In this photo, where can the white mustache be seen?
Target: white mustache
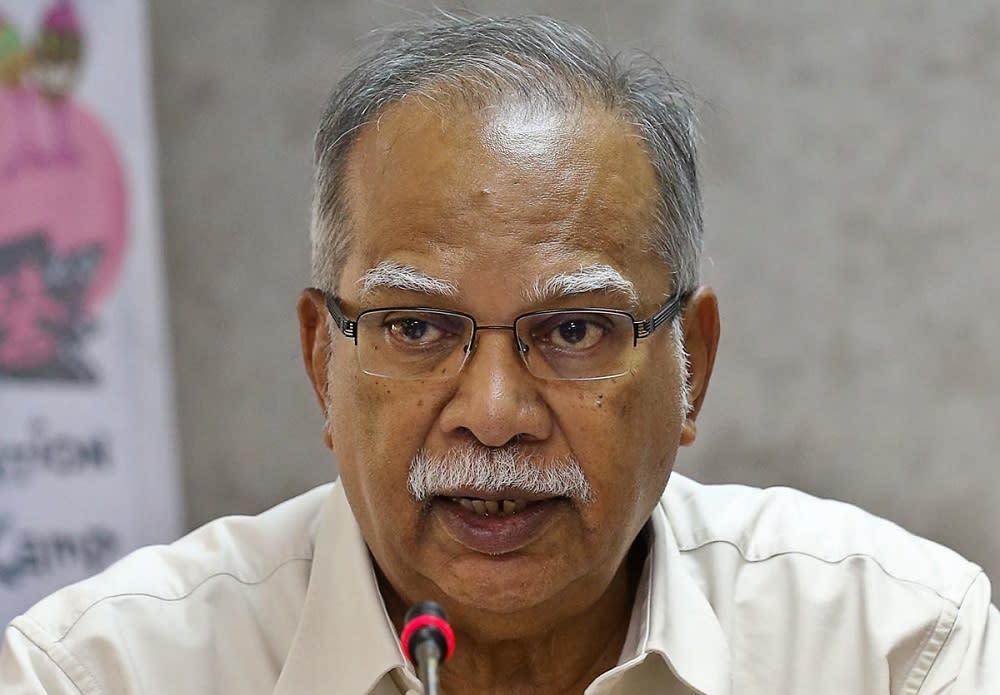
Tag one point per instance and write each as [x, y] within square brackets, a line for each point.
[495, 470]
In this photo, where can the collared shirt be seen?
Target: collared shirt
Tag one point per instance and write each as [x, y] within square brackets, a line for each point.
[744, 592]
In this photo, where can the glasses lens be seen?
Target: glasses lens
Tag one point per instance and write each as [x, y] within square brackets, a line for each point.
[405, 344]
[581, 344]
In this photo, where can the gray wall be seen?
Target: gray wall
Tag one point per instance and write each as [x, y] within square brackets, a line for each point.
[851, 169]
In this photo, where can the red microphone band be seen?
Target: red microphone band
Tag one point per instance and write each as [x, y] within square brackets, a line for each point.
[431, 621]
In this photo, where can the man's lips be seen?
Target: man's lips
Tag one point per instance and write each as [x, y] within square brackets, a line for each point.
[491, 507]
[493, 503]
[501, 494]
[495, 525]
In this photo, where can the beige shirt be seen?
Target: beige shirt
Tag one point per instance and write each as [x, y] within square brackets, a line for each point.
[745, 591]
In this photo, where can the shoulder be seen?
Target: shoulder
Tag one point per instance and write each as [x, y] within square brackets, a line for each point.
[762, 525]
[781, 526]
[236, 555]
[846, 591]
[863, 604]
[217, 606]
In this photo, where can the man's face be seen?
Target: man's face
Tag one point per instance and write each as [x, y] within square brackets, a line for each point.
[492, 202]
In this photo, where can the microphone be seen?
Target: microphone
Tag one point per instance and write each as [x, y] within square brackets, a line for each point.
[428, 641]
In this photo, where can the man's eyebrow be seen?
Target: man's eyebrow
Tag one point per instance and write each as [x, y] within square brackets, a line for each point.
[397, 276]
[588, 278]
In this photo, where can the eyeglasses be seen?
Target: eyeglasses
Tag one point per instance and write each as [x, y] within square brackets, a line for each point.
[562, 344]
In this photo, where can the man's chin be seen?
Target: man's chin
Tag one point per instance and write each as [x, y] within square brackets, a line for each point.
[508, 613]
[502, 588]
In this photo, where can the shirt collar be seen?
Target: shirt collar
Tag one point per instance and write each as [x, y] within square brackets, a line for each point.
[673, 618]
[345, 641]
[345, 633]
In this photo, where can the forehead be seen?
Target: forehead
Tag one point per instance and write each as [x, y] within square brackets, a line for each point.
[533, 184]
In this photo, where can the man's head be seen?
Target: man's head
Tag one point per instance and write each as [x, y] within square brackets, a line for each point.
[495, 169]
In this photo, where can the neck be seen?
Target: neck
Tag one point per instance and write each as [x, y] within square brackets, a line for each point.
[545, 658]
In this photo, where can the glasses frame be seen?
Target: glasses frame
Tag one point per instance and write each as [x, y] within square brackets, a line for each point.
[641, 329]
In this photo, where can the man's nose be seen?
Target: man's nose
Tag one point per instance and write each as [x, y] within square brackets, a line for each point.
[496, 399]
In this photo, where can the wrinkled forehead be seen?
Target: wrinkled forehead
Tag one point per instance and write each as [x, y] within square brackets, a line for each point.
[565, 188]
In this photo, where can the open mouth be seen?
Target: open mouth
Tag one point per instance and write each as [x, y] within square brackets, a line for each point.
[495, 523]
[501, 508]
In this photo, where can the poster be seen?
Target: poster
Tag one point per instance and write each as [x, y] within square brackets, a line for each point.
[88, 466]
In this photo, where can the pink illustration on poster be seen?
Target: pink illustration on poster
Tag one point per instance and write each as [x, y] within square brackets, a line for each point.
[64, 200]
[88, 464]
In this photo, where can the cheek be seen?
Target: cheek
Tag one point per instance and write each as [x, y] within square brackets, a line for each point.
[637, 416]
[394, 415]
[625, 433]
[377, 426]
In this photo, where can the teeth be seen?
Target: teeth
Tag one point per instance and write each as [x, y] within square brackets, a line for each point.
[491, 507]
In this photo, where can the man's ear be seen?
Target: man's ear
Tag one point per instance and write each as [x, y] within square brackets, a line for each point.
[315, 338]
[701, 340]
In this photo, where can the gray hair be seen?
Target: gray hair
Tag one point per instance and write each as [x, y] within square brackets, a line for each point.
[484, 60]
[495, 469]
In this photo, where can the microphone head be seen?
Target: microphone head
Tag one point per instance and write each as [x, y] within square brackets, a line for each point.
[427, 621]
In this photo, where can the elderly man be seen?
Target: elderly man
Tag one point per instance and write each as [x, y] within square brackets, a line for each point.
[509, 340]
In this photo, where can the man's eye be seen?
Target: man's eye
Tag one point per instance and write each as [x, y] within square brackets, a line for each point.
[413, 330]
[576, 334]
[420, 331]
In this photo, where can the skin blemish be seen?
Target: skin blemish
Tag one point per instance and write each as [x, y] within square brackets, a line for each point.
[482, 197]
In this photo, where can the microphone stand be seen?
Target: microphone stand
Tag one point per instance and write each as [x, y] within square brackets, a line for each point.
[428, 657]
[427, 639]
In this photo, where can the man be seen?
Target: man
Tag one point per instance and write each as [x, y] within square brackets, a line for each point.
[509, 340]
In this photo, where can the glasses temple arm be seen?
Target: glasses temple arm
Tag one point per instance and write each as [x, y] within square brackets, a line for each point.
[643, 329]
[347, 327]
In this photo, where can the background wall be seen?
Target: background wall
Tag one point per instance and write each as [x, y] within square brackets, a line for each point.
[851, 174]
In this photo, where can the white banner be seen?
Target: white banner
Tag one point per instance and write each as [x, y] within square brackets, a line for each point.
[87, 440]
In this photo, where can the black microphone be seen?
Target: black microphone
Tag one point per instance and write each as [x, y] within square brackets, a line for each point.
[428, 641]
